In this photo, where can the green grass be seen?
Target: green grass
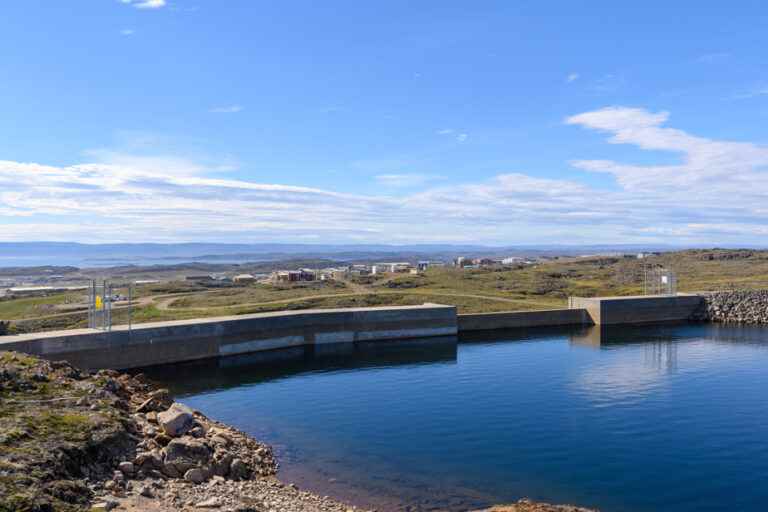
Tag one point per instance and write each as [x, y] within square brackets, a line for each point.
[257, 293]
[67, 426]
[31, 307]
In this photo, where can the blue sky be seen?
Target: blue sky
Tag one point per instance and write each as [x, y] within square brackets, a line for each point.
[487, 122]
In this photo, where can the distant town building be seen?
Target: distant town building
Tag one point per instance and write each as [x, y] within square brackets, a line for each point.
[294, 276]
[424, 265]
[461, 261]
[244, 279]
[41, 291]
[202, 278]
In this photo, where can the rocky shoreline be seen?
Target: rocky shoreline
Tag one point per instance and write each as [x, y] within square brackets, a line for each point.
[735, 306]
[72, 441]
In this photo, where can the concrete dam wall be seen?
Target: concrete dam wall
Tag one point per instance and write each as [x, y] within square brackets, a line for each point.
[186, 340]
[169, 342]
[638, 309]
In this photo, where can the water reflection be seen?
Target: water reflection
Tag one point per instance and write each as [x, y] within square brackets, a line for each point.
[260, 367]
[659, 343]
[587, 416]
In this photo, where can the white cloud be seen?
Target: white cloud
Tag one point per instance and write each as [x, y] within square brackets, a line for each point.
[572, 77]
[460, 137]
[127, 32]
[715, 194]
[145, 4]
[708, 166]
[228, 109]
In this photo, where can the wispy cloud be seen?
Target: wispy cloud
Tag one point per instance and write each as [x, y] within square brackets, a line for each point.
[714, 194]
[572, 77]
[229, 109]
[127, 32]
[145, 4]
[460, 137]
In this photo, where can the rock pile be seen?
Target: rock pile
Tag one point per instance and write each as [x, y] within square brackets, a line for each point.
[736, 306]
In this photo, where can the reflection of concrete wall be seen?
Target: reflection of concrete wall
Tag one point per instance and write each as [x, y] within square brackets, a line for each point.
[168, 342]
[640, 309]
[194, 377]
[515, 319]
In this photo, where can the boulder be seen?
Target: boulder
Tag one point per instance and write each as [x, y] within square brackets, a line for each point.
[213, 502]
[186, 453]
[126, 468]
[158, 401]
[222, 462]
[148, 460]
[239, 470]
[197, 475]
[177, 420]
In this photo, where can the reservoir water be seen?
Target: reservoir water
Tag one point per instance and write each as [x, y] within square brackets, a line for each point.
[630, 419]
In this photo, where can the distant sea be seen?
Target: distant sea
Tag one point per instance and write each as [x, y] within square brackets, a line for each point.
[67, 261]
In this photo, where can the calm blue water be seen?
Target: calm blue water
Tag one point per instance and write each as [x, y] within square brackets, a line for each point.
[640, 420]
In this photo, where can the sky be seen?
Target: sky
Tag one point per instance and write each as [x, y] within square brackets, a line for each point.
[494, 122]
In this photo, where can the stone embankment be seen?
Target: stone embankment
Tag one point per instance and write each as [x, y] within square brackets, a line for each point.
[736, 306]
[73, 441]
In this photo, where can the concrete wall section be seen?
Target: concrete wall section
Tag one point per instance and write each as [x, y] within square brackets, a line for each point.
[515, 319]
[639, 309]
[169, 342]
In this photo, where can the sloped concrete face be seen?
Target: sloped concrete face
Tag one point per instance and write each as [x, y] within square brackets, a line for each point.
[638, 309]
[169, 342]
[523, 319]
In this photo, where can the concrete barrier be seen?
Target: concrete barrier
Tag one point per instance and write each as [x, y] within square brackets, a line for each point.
[186, 340]
[637, 309]
[521, 319]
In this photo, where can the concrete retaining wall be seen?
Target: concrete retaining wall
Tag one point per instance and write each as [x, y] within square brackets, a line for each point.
[169, 342]
[516, 319]
[186, 340]
[638, 309]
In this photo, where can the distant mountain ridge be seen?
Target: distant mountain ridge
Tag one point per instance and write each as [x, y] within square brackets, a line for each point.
[197, 249]
[84, 255]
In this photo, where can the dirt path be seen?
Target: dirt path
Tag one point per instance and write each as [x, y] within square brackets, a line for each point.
[166, 303]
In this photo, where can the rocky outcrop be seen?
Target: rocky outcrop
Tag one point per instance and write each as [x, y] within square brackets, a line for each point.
[735, 306]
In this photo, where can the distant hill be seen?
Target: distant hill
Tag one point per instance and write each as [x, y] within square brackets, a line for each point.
[77, 254]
